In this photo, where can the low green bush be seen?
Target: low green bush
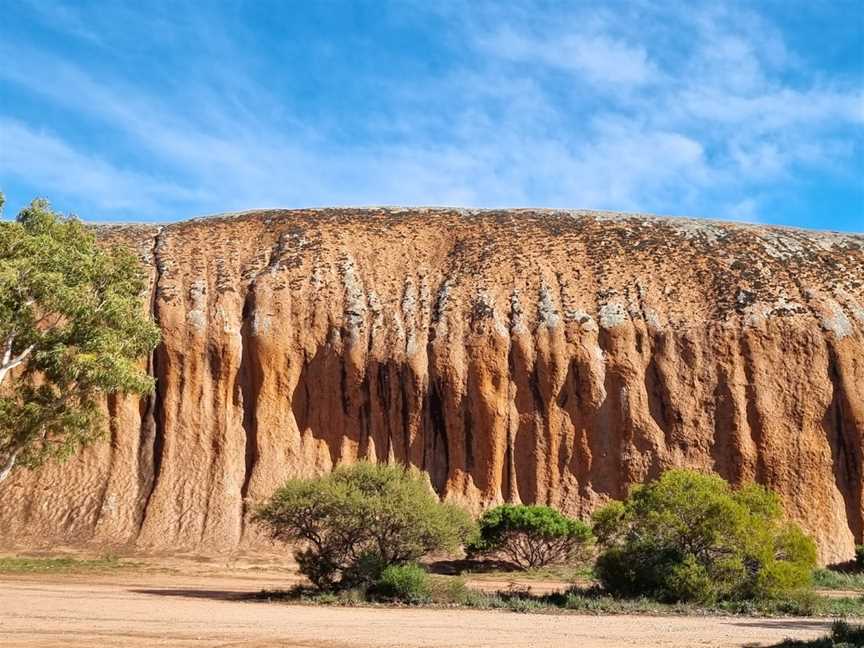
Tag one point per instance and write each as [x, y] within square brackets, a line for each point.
[690, 537]
[406, 583]
[530, 536]
[802, 602]
[859, 557]
[352, 524]
[843, 635]
[843, 632]
[448, 590]
[453, 592]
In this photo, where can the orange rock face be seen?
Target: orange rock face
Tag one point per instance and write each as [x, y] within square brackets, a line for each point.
[525, 356]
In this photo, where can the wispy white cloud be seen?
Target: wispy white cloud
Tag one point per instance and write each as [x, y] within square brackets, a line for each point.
[745, 210]
[45, 160]
[600, 58]
[566, 108]
[67, 19]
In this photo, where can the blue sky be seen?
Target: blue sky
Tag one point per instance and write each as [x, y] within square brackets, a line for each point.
[167, 110]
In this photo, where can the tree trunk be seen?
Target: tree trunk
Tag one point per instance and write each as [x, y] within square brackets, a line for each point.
[8, 464]
[7, 364]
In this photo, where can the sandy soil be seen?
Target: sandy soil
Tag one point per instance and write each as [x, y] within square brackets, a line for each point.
[143, 608]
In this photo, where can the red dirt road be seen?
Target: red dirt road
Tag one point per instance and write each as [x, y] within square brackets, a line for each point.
[146, 609]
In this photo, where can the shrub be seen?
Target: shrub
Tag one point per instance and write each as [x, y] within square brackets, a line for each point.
[408, 583]
[802, 602]
[843, 635]
[859, 557]
[449, 590]
[353, 523]
[691, 537]
[842, 632]
[531, 536]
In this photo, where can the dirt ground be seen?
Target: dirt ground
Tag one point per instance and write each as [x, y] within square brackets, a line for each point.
[206, 607]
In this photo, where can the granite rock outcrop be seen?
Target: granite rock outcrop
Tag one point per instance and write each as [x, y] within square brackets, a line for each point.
[514, 355]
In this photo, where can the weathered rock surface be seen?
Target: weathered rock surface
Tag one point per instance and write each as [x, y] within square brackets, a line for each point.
[532, 356]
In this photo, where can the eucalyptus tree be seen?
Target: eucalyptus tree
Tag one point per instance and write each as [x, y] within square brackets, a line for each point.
[72, 331]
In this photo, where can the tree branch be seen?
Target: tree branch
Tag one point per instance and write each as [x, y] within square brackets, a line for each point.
[9, 362]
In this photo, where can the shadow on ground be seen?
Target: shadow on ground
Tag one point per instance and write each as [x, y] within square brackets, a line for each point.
[457, 567]
[213, 595]
[786, 624]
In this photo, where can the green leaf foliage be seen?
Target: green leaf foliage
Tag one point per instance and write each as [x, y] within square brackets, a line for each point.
[531, 536]
[843, 635]
[691, 537]
[73, 329]
[350, 525]
[408, 583]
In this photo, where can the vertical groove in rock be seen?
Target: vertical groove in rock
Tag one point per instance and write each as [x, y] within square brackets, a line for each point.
[153, 422]
[436, 457]
[249, 379]
[113, 412]
[846, 448]
[755, 424]
[726, 451]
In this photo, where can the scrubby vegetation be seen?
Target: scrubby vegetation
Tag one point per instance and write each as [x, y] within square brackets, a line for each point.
[690, 537]
[531, 536]
[355, 522]
[449, 591]
[843, 635]
[407, 583]
[18, 564]
[685, 543]
[838, 580]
